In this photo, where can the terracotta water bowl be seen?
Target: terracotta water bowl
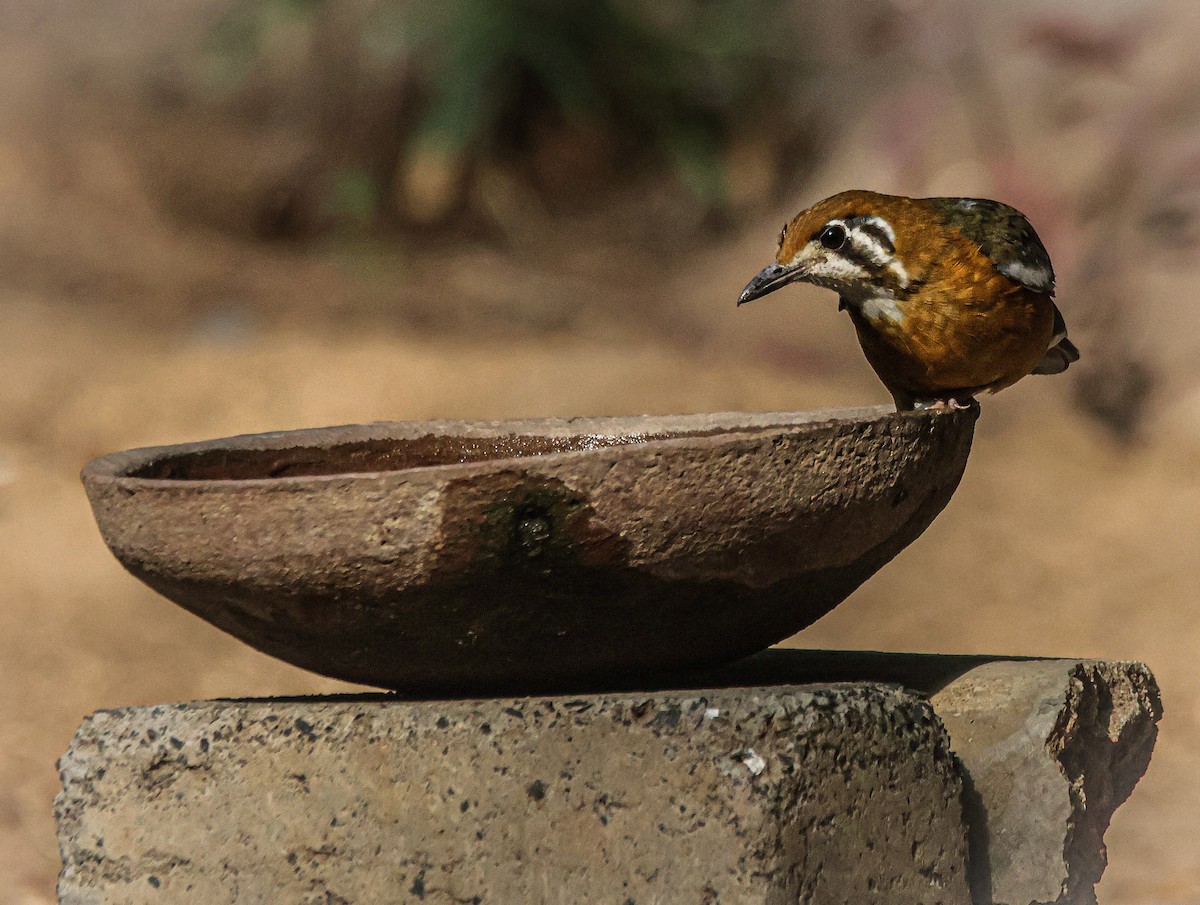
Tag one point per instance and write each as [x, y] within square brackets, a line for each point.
[453, 556]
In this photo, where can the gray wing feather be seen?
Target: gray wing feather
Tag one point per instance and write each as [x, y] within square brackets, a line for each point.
[1004, 235]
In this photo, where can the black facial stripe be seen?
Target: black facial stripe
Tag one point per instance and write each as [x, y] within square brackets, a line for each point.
[855, 255]
[874, 230]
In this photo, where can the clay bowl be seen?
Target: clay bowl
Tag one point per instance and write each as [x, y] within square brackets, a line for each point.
[497, 556]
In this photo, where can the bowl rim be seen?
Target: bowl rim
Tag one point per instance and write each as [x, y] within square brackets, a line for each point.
[114, 468]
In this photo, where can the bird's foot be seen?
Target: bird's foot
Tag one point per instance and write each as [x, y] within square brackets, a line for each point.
[953, 404]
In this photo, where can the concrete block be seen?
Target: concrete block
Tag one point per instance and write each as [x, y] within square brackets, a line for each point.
[843, 793]
[1050, 749]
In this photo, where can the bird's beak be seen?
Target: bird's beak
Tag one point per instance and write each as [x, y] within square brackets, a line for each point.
[769, 279]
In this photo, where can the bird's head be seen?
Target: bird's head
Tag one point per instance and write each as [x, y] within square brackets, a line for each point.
[846, 243]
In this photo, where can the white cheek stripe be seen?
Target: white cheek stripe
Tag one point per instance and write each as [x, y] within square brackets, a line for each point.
[869, 247]
[872, 249]
[883, 226]
[835, 267]
[827, 267]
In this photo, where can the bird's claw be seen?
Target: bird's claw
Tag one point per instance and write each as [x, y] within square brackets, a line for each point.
[942, 405]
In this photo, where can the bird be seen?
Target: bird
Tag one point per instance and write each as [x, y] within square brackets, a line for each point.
[950, 297]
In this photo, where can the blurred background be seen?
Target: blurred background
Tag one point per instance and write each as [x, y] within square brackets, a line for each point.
[227, 216]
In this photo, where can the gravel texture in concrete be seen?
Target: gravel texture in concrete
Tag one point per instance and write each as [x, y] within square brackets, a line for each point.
[1048, 750]
[842, 793]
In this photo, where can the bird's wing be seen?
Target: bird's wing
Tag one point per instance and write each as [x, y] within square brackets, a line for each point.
[1004, 235]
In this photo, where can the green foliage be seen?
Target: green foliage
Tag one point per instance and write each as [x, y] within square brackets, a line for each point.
[354, 196]
[676, 77]
[242, 35]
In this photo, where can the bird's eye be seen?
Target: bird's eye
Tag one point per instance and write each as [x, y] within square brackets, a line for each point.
[832, 237]
[782, 235]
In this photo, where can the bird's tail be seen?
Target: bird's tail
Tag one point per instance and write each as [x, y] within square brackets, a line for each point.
[1058, 358]
[1061, 352]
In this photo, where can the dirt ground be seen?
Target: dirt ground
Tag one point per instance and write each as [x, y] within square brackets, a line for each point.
[123, 327]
